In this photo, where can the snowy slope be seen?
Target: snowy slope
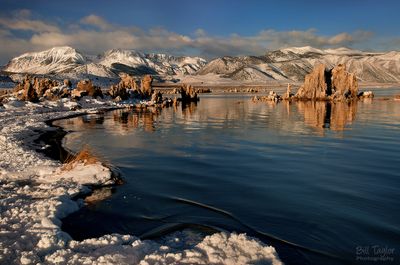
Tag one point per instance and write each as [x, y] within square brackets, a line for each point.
[294, 63]
[69, 62]
[55, 60]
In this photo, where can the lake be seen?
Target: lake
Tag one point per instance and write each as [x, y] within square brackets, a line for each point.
[319, 181]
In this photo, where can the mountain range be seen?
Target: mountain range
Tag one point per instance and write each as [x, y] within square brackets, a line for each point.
[286, 65]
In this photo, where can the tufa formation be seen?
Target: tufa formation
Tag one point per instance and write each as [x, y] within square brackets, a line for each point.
[323, 84]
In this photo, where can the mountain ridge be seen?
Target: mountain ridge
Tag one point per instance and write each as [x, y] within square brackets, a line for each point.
[286, 65]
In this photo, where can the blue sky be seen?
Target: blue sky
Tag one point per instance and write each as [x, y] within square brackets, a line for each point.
[206, 28]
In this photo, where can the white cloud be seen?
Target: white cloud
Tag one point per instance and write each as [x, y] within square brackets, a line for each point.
[103, 35]
[96, 21]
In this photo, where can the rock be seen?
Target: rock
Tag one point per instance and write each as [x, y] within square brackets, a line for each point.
[288, 95]
[272, 96]
[365, 94]
[77, 94]
[67, 83]
[344, 83]
[118, 91]
[146, 86]
[323, 84]
[156, 98]
[203, 90]
[315, 84]
[26, 91]
[188, 94]
[44, 84]
[127, 81]
[86, 86]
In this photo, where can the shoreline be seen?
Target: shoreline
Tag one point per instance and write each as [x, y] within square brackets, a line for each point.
[35, 196]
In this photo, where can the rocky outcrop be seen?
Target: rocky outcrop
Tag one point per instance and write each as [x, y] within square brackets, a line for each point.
[323, 84]
[188, 94]
[344, 84]
[146, 86]
[29, 93]
[272, 96]
[126, 88]
[288, 95]
[315, 85]
[156, 97]
[26, 91]
[42, 85]
[86, 88]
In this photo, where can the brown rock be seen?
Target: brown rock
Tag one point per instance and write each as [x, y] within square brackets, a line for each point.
[29, 92]
[43, 85]
[146, 86]
[344, 83]
[127, 82]
[322, 84]
[156, 97]
[288, 95]
[67, 83]
[188, 94]
[315, 84]
[86, 86]
[118, 91]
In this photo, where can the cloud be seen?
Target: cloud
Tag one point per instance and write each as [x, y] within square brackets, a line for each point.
[93, 34]
[97, 22]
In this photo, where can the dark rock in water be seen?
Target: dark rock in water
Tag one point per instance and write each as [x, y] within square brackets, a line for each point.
[323, 84]
[188, 94]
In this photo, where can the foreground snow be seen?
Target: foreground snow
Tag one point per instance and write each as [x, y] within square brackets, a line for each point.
[35, 194]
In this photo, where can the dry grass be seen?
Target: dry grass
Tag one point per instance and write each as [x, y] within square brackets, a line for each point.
[84, 156]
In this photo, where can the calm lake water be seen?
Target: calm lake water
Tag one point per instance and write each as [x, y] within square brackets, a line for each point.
[319, 181]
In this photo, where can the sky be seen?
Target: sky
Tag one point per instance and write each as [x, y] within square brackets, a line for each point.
[208, 28]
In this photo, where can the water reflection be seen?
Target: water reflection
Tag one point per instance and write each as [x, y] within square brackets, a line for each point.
[130, 120]
[327, 115]
[216, 113]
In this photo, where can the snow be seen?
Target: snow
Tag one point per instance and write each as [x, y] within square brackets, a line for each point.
[35, 194]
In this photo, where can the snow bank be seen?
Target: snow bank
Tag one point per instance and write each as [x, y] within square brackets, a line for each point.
[35, 194]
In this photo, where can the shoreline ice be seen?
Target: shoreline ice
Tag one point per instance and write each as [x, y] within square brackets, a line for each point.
[35, 195]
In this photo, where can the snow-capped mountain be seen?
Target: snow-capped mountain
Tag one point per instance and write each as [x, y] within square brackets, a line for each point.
[289, 64]
[292, 64]
[69, 62]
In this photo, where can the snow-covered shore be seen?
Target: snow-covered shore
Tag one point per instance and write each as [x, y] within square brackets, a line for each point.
[35, 194]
